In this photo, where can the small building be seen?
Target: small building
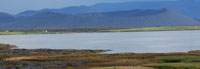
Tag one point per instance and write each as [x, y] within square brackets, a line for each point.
[46, 31]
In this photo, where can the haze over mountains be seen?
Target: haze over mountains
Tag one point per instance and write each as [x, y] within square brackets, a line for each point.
[66, 10]
[117, 19]
[188, 8]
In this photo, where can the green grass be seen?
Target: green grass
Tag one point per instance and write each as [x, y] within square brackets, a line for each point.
[179, 59]
[175, 65]
[107, 30]
[157, 29]
[194, 52]
[21, 33]
[11, 33]
[176, 62]
[40, 33]
[1, 58]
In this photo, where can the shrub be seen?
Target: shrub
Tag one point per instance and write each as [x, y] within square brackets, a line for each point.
[178, 59]
[174, 65]
[1, 58]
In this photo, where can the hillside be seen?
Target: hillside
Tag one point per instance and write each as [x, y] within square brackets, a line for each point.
[118, 19]
[188, 8]
[5, 18]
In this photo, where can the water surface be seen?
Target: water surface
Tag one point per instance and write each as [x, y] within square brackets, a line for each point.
[139, 42]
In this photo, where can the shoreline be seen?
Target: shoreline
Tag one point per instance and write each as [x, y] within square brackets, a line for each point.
[97, 30]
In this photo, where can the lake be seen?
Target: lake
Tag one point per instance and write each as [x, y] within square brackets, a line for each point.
[118, 42]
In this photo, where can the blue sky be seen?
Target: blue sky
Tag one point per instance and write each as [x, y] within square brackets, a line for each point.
[16, 6]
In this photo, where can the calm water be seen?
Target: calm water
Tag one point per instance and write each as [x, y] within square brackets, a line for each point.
[139, 42]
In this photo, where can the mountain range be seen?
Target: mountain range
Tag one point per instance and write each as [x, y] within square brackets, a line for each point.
[66, 10]
[188, 8]
[5, 18]
[116, 19]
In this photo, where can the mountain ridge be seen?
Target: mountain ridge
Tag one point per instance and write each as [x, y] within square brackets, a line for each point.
[188, 8]
[117, 19]
[65, 10]
[5, 17]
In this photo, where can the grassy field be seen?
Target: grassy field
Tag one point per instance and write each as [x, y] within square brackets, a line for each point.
[89, 30]
[187, 60]
[1, 58]
[22, 33]
[119, 61]
[179, 59]
[157, 29]
[176, 62]
[175, 65]
[11, 33]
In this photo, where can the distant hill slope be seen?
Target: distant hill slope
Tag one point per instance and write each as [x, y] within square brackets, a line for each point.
[188, 8]
[5, 17]
[66, 10]
[118, 19]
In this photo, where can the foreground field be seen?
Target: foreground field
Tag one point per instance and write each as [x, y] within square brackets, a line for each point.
[105, 61]
[91, 59]
[175, 65]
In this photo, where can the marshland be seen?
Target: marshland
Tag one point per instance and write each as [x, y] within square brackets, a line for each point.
[93, 59]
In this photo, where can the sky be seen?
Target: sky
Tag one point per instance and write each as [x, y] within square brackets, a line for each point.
[16, 6]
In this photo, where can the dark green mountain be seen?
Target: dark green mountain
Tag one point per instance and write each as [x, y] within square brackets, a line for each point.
[118, 19]
[5, 18]
[188, 8]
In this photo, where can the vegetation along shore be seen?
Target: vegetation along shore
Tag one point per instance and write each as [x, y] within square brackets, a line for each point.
[16, 58]
[92, 30]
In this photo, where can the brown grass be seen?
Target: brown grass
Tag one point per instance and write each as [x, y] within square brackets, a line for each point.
[122, 67]
[96, 61]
